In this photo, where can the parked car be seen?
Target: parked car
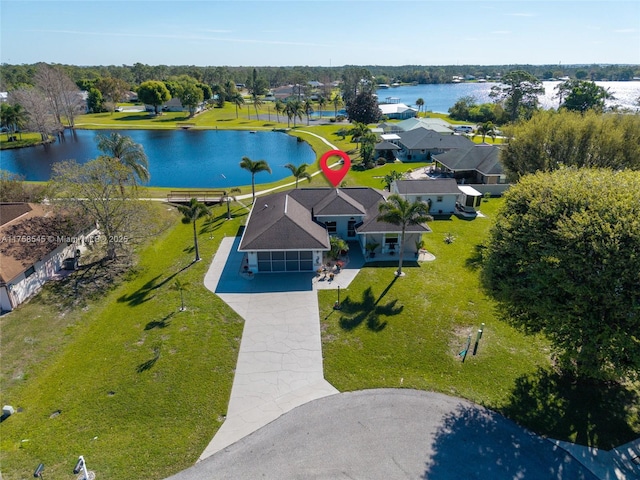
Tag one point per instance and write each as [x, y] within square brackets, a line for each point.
[463, 129]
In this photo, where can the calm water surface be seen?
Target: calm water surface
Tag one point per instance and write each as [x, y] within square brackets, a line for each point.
[210, 158]
[177, 158]
[440, 98]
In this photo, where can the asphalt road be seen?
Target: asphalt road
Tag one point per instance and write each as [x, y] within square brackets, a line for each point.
[390, 434]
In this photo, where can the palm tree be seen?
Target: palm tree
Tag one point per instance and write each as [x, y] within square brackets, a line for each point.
[124, 150]
[391, 177]
[279, 107]
[181, 287]
[337, 101]
[256, 103]
[485, 129]
[358, 131]
[420, 104]
[321, 104]
[238, 100]
[190, 214]
[228, 198]
[294, 109]
[398, 211]
[299, 171]
[308, 109]
[254, 167]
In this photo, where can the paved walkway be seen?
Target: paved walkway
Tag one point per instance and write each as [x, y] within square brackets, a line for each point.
[280, 359]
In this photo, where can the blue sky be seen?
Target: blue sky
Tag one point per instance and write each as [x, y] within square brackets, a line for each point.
[319, 32]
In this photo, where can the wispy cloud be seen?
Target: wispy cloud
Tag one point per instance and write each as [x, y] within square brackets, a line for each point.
[625, 30]
[522, 14]
[191, 38]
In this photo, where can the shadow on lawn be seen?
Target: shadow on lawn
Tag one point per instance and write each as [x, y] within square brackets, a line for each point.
[596, 414]
[143, 294]
[368, 310]
[148, 365]
[162, 323]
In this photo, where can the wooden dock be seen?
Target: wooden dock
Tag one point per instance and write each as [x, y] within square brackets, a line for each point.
[204, 196]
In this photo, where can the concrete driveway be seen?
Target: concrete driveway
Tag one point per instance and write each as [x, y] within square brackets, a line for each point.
[280, 359]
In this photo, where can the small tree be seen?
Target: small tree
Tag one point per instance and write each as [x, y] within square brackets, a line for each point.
[153, 93]
[391, 177]
[337, 246]
[190, 214]
[398, 211]
[227, 198]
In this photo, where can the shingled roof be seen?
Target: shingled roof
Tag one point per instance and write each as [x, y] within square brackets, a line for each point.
[28, 233]
[435, 186]
[425, 139]
[484, 158]
[285, 220]
[279, 222]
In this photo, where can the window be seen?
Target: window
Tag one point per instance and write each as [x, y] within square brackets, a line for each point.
[331, 227]
[391, 239]
[29, 271]
[439, 198]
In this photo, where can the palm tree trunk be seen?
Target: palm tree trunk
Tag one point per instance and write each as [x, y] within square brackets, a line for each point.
[195, 242]
[253, 188]
[400, 254]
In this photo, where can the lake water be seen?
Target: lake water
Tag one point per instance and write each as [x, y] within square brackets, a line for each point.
[210, 158]
[439, 98]
[177, 158]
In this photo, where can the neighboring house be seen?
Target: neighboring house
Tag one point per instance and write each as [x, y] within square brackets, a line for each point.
[435, 124]
[441, 194]
[397, 111]
[35, 243]
[478, 164]
[175, 105]
[289, 231]
[419, 144]
[287, 92]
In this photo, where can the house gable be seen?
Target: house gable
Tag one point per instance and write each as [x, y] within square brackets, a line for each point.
[279, 222]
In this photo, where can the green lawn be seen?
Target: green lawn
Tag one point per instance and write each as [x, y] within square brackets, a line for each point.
[408, 332]
[140, 386]
[132, 377]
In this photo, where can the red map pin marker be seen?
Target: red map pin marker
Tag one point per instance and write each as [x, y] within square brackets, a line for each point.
[335, 176]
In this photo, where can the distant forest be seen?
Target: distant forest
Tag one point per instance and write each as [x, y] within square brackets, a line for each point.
[12, 76]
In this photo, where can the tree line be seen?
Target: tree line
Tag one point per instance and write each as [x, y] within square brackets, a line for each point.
[12, 76]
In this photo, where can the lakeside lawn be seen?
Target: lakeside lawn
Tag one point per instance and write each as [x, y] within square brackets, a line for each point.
[134, 378]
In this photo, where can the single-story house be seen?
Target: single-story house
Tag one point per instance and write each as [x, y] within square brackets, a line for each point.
[289, 231]
[36, 243]
[441, 194]
[287, 92]
[478, 164]
[435, 124]
[397, 110]
[175, 105]
[420, 143]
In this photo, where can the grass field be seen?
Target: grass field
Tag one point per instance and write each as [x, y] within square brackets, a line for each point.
[126, 375]
[130, 382]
